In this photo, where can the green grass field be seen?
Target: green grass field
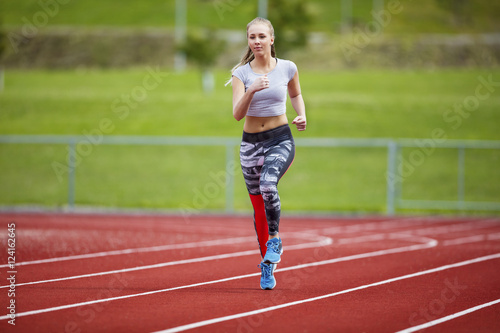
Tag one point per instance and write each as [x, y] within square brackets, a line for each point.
[362, 104]
[350, 104]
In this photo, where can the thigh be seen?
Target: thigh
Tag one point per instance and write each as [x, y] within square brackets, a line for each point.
[278, 159]
[252, 159]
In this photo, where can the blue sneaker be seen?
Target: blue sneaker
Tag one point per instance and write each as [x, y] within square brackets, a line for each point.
[274, 251]
[267, 280]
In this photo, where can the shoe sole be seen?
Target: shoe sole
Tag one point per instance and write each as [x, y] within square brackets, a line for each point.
[274, 262]
[268, 288]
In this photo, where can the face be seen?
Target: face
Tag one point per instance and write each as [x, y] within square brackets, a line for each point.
[259, 39]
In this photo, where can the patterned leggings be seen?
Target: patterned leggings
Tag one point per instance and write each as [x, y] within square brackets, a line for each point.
[265, 157]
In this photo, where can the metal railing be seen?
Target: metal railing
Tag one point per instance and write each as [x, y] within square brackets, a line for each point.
[394, 183]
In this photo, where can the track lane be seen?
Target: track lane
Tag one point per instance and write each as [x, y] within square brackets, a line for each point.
[345, 229]
[375, 307]
[104, 282]
[479, 321]
[255, 279]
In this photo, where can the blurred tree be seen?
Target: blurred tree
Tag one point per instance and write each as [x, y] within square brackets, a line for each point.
[291, 20]
[3, 48]
[457, 8]
[3, 39]
[203, 47]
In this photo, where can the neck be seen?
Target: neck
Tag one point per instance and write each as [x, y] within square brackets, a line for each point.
[263, 62]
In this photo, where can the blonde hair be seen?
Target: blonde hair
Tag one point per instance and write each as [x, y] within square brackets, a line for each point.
[249, 56]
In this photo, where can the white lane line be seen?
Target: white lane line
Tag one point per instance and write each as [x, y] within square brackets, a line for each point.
[362, 239]
[214, 242]
[308, 300]
[374, 226]
[493, 236]
[429, 231]
[382, 225]
[472, 239]
[458, 227]
[426, 231]
[450, 317]
[429, 244]
[323, 241]
[464, 240]
[401, 223]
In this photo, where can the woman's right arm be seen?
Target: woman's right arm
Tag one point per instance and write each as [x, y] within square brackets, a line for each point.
[242, 99]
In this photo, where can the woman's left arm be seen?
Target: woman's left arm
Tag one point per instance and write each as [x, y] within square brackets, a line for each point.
[297, 102]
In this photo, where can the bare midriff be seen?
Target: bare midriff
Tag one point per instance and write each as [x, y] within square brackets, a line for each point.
[260, 124]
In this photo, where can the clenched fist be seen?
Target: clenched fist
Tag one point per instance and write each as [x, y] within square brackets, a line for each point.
[300, 122]
[259, 84]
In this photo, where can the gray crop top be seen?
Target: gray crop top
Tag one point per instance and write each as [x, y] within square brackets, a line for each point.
[271, 101]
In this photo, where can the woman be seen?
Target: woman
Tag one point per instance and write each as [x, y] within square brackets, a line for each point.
[260, 84]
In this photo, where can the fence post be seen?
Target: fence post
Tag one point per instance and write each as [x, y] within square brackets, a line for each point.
[377, 7]
[71, 173]
[262, 11]
[346, 16]
[392, 149]
[461, 177]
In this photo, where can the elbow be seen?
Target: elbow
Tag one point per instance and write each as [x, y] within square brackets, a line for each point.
[237, 116]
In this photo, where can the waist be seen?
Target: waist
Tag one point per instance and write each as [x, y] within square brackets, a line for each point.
[260, 124]
[280, 131]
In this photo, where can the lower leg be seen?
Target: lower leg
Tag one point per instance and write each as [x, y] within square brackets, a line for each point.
[272, 207]
[260, 222]
[273, 212]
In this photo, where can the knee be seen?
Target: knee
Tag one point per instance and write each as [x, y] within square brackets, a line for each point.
[253, 190]
[268, 190]
[253, 187]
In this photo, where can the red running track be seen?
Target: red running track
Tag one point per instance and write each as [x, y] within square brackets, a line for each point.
[118, 273]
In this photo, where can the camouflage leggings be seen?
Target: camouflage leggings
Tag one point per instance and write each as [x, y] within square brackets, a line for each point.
[265, 157]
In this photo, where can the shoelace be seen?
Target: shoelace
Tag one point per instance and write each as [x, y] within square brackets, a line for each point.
[275, 247]
[266, 269]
